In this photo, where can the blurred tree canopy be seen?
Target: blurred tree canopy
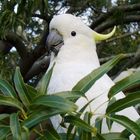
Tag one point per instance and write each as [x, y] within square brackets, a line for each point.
[24, 29]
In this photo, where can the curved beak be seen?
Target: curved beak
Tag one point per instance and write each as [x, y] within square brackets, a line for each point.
[54, 41]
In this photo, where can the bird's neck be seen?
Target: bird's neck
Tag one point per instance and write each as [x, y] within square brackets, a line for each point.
[78, 51]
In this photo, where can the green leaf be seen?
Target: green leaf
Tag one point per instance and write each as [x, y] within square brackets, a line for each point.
[99, 137]
[7, 89]
[32, 92]
[46, 4]
[130, 100]
[21, 88]
[43, 84]
[3, 116]
[56, 102]
[15, 126]
[70, 95]
[80, 112]
[114, 136]
[9, 101]
[64, 137]
[128, 124]
[25, 133]
[84, 135]
[86, 105]
[69, 132]
[108, 121]
[131, 80]
[125, 133]
[38, 117]
[86, 83]
[98, 124]
[87, 117]
[4, 130]
[51, 134]
[79, 123]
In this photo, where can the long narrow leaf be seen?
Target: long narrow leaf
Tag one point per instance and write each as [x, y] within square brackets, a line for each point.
[25, 133]
[4, 130]
[99, 137]
[38, 117]
[125, 133]
[98, 124]
[32, 92]
[43, 84]
[131, 80]
[128, 124]
[108, 121]
[79, 123]
[71, 95]
[15, 126]
[80, 112]
[114, 136]
[130, 100]
[84, 135]
[7, 89]
[3, 116]
[51, 134]
[9, 101]
[21, 88]
[54, 101]
[86, 83]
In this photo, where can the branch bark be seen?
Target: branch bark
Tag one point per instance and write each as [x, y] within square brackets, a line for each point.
[131, 63]
[5, 47]
[112, 11]
[38, 67]
[16, 41]
[112, 22]
[128, 55]
[121, 36]
[40, 50]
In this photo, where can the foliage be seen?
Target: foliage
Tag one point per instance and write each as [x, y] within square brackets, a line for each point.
[7, 65]
[29, 19]
[35, 106]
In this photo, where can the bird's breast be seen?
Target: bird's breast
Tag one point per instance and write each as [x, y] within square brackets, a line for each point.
[65, 76]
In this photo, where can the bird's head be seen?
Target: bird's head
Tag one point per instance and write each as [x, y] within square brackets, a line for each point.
[66, 26]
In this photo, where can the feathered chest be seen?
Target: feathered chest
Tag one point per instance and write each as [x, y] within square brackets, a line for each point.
[73, 62]
[71, 65]
[65, 76]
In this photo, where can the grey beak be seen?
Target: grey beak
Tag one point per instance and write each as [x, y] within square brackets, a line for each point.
[54, 41]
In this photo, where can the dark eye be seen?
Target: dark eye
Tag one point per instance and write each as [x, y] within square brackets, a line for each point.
[73, 33]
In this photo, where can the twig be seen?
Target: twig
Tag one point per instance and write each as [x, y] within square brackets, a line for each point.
[128, 55]
[110, 12]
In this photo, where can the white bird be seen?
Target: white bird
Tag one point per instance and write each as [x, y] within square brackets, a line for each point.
[75, 56]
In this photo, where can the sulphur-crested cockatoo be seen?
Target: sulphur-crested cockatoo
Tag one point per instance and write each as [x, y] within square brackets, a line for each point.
[75, 56]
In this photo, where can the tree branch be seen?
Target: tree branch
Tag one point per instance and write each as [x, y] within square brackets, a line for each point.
[120, 37]
[16, 41]
[44, 17]
[131, 63]
[112, 11]
[112, 22]
[35, 54]
[128, 55]
[39, 66]
[5, 47]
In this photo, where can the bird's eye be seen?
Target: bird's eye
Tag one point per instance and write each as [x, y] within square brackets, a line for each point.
[73, 33]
